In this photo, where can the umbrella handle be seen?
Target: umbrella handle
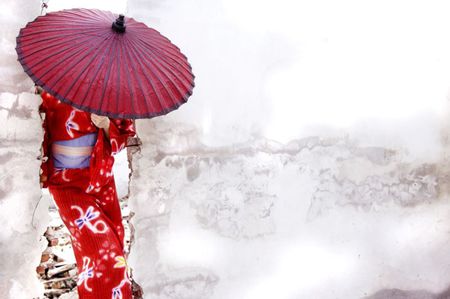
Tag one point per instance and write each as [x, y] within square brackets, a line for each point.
[119, 24]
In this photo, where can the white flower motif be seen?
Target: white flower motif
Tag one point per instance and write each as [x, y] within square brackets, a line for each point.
[88, 272]
[70, 124]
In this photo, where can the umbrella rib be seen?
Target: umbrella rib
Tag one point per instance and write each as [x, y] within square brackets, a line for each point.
[65, 49]
[63, 23]
[93, 13]
[158, 94]
[108, 71]
[54, 34]
[99, 14]
[148, 103]
[73, 15]
[158, 69]
[49, 69]
[72, 21]
[129, 86]
[92, 80]
[158, 42]
[185, 82]
[170, 50]
[83, 71]
[142, 29]
[62, 75]
[160, 78]
[55, 30]
[176, 85]
[153, 39]
[106, 15]
[118, 81]
[49, 45]
[163, 66]
[189, 86]
[161, 56]
[56, 53]
[128, 77]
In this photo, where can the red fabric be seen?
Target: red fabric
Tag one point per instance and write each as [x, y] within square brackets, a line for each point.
[87, 199]
[76, 56]
[97, 233]
[64, 122]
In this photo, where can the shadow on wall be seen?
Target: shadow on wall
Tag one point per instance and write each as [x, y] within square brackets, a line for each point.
[417, 294]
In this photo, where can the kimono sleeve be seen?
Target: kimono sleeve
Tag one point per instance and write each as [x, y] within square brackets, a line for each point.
[44, 169]
[119, 131]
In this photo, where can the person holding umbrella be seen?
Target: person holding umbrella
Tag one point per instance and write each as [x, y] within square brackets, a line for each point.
[77, 162]
[97, 71]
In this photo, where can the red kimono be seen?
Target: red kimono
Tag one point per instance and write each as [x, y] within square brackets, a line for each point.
[87, 199]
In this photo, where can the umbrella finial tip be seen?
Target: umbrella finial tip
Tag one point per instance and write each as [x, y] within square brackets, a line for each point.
[119, 24]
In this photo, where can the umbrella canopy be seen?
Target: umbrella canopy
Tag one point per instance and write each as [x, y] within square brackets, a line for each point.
[105, 64]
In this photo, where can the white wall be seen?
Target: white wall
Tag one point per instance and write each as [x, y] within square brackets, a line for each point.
[21, 243]
[311, 160]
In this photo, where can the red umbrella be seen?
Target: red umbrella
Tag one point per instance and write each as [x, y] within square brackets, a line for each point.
[123, 70]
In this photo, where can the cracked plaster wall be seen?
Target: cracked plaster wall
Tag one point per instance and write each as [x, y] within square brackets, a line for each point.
[23, 218]
[332, 185]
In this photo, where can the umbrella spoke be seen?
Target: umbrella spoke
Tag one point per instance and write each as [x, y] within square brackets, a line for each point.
[106, 79]
[46, 43]
[135, 67]
[158, 43]
[92, 79]
[175, 73]
[155, 78]
[160, 55]
[161, 71]
[50, 68]
[85, 71]
[127, 79]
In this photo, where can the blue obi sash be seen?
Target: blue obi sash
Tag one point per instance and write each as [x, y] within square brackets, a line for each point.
[73, 153]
